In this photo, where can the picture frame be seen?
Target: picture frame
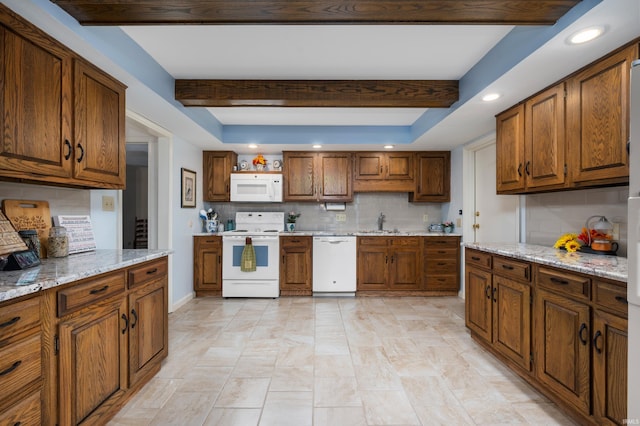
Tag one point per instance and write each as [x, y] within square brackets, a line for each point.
[188, 188]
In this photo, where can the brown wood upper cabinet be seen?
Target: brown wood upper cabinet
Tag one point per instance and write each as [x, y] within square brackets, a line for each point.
[62, 118]
[571, 135]
[317, 176]
[216, 168]
[530, 143]
[433, 175]
[383, 171]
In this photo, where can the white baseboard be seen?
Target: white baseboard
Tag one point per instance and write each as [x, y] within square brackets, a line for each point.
[177, 305]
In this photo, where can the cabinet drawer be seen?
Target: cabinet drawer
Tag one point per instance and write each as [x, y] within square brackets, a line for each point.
[442, 266]
[405, 242]
[449, 242]
[610, 295]
[441, 253]
[478, 258]
[20, 364]
[18, 317]
[24, 413]
[570, 284]
[212, 241]
[372, 241]
[512, 268]
[73, 298]
[147, 272]
[303, 241]
[442, 282]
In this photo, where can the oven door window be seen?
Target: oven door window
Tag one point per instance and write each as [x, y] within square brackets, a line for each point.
[262, 255]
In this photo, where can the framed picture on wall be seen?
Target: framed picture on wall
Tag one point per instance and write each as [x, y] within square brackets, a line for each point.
[188, 192]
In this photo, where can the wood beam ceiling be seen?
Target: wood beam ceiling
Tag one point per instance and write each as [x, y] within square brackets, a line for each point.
[150, 12]
[318, 93]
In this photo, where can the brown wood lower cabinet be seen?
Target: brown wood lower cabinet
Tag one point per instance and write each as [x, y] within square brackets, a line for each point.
[207, 265]
[296, 265]
[441, 261]
[575, 331]
[389, 264]
[102, 345]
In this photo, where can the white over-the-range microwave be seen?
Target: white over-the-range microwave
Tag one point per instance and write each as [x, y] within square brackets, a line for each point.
[256, 187]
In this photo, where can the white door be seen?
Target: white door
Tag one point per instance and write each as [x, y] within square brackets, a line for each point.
[496, 217]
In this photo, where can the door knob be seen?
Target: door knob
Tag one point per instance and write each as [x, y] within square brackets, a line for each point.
[476, 226]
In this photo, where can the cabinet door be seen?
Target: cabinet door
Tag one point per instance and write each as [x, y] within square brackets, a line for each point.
[433, 177]
[334, 171]
[93, 361]
[512, 320]
[510, 154]
[369, 166]
[299, 176]
[610, 344]
[478, 302]
[207, 265]
[563, 349]
[148, 329]
[399, 166]
[598, 119]
[372, 268]
[216, 168]
[544, 138]
[99, 127]
[295, 266]
[405, 264]
[35, 109]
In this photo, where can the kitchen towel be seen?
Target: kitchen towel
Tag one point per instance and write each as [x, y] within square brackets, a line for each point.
[248, 258]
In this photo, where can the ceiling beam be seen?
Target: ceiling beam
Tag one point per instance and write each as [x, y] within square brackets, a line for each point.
[318, 93]
[155, 12]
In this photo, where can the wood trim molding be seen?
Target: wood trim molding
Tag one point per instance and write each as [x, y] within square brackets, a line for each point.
[501, 12]
[317, 93]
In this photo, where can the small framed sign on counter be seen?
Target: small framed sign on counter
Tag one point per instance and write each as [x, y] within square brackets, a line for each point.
[79, 232]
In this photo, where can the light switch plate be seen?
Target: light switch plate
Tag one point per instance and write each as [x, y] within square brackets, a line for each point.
[108, 203]
[425, 218]
[341, 217]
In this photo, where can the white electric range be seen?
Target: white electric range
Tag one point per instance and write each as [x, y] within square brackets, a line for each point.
[263, 228]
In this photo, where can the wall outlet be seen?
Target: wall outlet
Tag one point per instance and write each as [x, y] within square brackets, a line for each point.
[108, 203]
[458, 223]
[425, 218]
[341, 217]
[616, 232]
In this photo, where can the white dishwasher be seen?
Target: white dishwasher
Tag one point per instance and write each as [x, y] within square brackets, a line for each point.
[334, 265]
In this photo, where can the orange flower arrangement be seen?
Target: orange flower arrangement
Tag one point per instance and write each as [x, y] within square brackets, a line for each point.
[259, 160]
[595, 235]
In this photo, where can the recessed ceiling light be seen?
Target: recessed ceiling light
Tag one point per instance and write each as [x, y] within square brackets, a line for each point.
[253, 146]
[490, 97]
[317, 146]
[586, 35]
[389, 146]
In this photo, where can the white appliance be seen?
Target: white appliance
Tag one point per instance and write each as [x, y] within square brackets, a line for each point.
[256, 187]
[263, 228]
[633, 251]
[334, 265]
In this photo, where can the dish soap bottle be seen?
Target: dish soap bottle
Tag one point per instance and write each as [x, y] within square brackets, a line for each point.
[248, 258]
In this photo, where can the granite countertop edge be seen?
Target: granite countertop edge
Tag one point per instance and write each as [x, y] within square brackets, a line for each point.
[55, 272]
[352, 233]
[610, 267]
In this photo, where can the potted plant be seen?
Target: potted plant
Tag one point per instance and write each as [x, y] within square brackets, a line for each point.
[291, 220]
[259, 162]
[447, 227]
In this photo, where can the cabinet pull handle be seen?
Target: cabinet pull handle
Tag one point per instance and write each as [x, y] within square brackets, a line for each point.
[520, 169]
[126, 323]
[386, 259]
[559, 281]
[441, 264]
[477, 259]
[10, 369]
[219, 259]
[507, 267]
[210, 241]
[487, 291]
[295, 241]
[283, 259]
[135, 317]
[81, 157]
[583, 328]
[526, 168]
[99, 290]
[152, 271]
[10, 322]
[595, 342]
[17, 424]
[69, 149]
[622, 299]
[495, 290]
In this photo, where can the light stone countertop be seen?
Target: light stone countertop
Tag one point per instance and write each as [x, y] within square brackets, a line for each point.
[57, 271]
[611, 267]
[354, 233]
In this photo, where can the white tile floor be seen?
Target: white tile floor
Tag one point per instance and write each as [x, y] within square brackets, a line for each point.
[331, 361]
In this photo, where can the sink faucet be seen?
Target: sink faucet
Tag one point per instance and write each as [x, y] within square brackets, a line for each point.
[380, 221]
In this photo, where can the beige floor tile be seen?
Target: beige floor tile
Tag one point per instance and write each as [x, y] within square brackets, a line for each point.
[484, 411]
[428, 391]
[444, 415]
[343, 416]
[336, 392]
[334, 366]
[233, 417]
[241, 392]
[537, 413]
[388, 408]
[185, 408]
[295, 356]
[288, 409]
[261, 365]
[292, 379]
[205, 379]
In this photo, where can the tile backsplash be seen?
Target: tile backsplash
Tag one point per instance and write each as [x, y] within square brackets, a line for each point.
[361, 214]
[61, 200]
[550, 215]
